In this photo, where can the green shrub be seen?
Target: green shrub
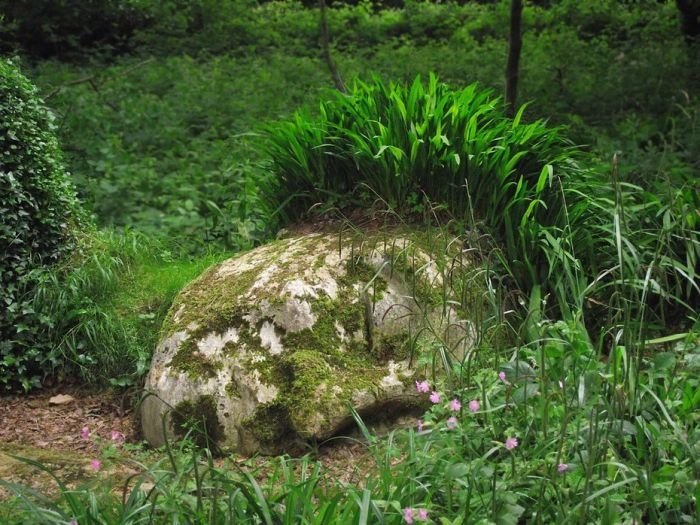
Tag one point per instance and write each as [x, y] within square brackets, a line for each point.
[39, 213]
[214, 26]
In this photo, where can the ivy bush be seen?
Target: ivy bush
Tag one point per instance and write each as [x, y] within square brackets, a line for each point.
[39, 212]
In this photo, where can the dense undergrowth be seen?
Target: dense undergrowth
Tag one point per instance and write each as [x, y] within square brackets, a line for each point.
[106, 304]
[184, 132]
[163, 139]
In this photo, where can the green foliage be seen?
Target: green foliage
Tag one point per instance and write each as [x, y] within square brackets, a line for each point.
[556, 225]
[153, 142]
[451, 147]
[590, 440]
[168, 148]
[207, 26]
[39, 213]
[597, 441]
[107, 303]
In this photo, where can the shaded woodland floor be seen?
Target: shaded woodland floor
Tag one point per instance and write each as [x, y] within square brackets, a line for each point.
[31, 427]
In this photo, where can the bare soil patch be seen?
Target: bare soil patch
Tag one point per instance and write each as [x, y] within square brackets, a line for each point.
[30, 427]
[30, 421]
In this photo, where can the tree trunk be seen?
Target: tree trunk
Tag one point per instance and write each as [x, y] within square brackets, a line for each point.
[690, 18]
[326, 49]
[515, 43]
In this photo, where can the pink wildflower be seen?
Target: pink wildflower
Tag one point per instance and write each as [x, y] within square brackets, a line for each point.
[562, 467]
[408, 515]
[95, 465]
[117, 436]
[511, 443]
[422, 515]
[423, 387]
[455, 405]
[502, 377]
[452, 423]
[85, 433]
[474, 405]
[435, 398]
[73, 522]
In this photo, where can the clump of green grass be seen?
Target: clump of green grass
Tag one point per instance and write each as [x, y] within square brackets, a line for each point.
[107, 303]
[429, 143]
[557, 225]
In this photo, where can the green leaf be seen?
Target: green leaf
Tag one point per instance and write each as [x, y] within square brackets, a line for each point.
[457, 470]
[525, 392]
[517, 371]
[664, 360]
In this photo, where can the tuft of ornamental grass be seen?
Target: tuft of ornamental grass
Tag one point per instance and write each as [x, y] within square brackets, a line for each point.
[429, 143]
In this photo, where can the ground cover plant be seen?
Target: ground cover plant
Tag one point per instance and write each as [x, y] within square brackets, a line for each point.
[579, 402]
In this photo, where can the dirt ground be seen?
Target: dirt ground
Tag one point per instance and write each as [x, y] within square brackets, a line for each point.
[31, 421]
[31, 427]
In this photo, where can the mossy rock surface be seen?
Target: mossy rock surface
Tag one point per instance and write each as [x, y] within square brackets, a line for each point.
[270, 349]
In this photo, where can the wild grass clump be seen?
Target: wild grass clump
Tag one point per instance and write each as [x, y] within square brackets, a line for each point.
[420, 143]
[558, 226]
[106, 304]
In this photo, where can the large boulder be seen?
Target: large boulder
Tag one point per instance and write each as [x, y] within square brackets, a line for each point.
[272, 348]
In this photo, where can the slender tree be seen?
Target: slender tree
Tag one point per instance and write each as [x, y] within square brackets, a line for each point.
[690, 18]
[326, 49]
[515, 43]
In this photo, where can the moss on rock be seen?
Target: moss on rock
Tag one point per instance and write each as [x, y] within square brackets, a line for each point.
[271, 426]
[298, 318]
[194, 364]
[199, 419]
